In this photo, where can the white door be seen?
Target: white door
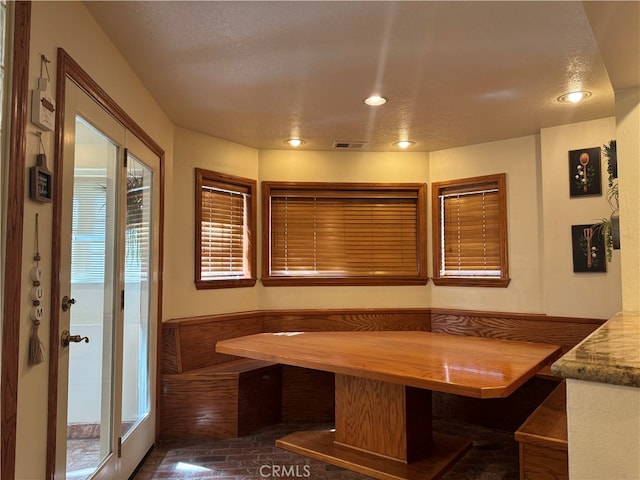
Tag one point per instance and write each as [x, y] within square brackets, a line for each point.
[106, 364]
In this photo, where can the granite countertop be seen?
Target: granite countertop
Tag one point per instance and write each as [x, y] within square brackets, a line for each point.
[611, 354]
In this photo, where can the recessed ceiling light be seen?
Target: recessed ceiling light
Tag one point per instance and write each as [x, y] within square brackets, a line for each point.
[404, 144]
[574, 97]
[375, 100]
[295, 142]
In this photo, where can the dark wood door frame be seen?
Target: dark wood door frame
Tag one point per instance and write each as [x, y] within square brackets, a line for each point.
[11, 313]
[69, 69]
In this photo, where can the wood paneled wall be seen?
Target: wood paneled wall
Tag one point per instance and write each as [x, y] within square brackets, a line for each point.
[564, 331]
[190, 343]
[346, 320]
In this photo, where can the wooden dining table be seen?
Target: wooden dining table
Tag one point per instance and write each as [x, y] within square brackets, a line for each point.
[383, 386]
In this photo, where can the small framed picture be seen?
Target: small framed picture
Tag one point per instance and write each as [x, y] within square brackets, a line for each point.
[589, 254]
[584, 172]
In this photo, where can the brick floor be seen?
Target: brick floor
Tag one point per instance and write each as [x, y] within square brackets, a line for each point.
[493, 456]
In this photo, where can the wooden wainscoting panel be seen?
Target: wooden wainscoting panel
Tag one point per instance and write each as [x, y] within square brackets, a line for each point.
[170, 359]
[564, 331]
[346, 320]
[198, 337]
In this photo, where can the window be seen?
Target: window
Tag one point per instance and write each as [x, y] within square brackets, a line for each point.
[89, 226]
[344, 234]
[470, 232]
[225, 230]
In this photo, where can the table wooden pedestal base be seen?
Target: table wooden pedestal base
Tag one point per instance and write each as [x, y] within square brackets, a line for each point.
[321, 446]
[383, 430]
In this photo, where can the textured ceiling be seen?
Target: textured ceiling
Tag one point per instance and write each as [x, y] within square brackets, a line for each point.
[455, 73]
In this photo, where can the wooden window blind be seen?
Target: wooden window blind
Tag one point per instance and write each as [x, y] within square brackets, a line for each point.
[470, 238]
[344, 234]
[225, 246]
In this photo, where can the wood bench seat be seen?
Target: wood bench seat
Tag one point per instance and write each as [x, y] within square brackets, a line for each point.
[225, 400]
[234, 367]
[542, 440]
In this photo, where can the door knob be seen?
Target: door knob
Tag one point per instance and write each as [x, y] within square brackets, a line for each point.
[67, 303]
[66, 338]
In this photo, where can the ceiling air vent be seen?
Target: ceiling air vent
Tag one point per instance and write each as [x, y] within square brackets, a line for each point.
[349, 145]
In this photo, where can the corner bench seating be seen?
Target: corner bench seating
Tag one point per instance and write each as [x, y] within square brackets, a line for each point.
[205, 394]
[542, 440]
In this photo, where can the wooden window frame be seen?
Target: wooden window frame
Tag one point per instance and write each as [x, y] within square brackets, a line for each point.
[420, 190]
[473, 183]
[234, 183]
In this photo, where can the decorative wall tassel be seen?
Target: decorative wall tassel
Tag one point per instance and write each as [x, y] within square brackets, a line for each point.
[37, 311]
[35, 345]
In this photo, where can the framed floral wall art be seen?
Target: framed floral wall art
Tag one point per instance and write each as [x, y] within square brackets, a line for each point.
[584, 172]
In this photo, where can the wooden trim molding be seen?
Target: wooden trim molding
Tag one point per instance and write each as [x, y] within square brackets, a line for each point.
[14, 235]
[69, 68]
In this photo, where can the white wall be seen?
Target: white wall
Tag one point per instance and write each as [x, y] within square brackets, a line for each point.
[67, 25]
[596, 295]
[518, 158]
[604, 431]
[540, 215]
[194, 150]
[301, 166]
[628, 132]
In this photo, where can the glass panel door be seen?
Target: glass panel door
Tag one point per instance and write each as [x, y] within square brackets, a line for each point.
[106, 387]
[137, 294]
[93, 282]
